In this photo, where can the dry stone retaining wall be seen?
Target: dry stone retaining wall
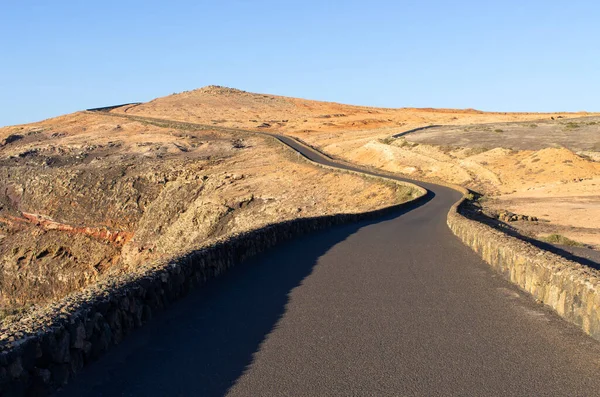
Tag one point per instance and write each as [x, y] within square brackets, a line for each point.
[571, 289]
[40, 352]
[568, 287]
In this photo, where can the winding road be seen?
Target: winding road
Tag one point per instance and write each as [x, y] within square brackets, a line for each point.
[392, 307]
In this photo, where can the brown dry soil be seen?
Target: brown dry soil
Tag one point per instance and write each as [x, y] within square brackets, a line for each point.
[540, 165]
[89, 195]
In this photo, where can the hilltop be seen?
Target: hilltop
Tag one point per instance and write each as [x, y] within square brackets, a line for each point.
[231, 107]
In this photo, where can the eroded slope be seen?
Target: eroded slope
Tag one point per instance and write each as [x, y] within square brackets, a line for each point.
[87, 195]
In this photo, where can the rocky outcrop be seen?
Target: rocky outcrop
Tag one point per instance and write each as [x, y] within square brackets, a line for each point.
[507, 216]
[116, 237]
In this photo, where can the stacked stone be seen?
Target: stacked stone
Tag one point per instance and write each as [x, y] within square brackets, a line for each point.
[571, 289]
[40, 352]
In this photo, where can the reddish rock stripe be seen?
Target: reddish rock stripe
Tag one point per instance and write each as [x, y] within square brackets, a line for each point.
[116, 237]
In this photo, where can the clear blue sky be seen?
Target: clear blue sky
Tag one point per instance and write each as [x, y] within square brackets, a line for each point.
[62, 56]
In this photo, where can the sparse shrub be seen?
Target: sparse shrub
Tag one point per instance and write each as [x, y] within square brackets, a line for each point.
[238, 144]
[388, 140]
[572, 125]
[482, 199]
[562, 240]
[445, 148]
[533, 125]
[477, 150]
[405, 194]
[498, 130]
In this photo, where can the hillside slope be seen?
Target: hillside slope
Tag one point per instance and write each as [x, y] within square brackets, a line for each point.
[500, 155]
[87, 195]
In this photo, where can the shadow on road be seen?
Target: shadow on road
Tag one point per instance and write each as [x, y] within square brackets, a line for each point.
[202, 344]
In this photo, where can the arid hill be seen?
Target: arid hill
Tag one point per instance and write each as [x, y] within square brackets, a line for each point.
[541, 165]
[322, 123]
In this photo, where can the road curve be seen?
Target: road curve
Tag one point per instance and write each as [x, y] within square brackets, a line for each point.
[392, 307]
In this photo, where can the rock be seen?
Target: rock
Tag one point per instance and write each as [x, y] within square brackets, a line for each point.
[77, 360]
[101, 339]
[146, 313]
[29, 352]
[42, 375]
[115, 324]
[78, 336]
[87, 348]
[507, 216]
[4, 358]
[4, 376]
[60, 374]
[138, 311]
[15, 369]
[10, 139]
[125, 304]
[59, 351]
[90, 324]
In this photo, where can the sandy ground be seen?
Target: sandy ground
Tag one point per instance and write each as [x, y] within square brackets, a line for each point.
[539, 164]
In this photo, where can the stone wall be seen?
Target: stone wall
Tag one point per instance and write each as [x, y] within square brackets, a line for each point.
[43, 350]
[571, 289]
[568, 287]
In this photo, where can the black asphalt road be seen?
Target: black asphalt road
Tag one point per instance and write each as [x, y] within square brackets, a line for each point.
[393, 307]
